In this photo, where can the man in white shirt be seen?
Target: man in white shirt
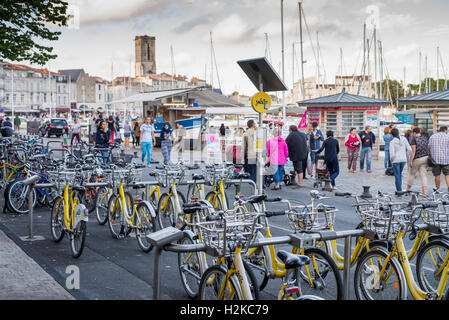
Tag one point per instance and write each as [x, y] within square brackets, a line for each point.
[147, 140]
[75, 131]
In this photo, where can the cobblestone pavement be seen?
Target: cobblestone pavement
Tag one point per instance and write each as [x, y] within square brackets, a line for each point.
[22, 278]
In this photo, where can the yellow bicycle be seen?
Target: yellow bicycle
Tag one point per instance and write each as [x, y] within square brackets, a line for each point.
[125, 214]
[68, 214]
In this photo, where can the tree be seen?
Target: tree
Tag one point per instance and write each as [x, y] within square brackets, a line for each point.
[24, 27]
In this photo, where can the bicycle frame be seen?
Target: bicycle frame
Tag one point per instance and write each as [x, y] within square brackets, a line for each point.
[400, 253]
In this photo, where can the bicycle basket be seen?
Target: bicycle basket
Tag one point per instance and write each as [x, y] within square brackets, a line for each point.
[437, 219]
[306, 219]
[61, 178]
[223, 235]
[135, 175]
[385, 224]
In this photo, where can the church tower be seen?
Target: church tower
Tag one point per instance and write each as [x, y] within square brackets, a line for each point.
[145, 55]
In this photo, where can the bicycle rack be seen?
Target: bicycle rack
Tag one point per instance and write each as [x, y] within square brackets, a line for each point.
[32, 183]
[162, 241]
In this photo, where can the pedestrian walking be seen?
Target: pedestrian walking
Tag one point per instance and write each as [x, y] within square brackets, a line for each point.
[399, 147]
[368, 140]
[112, 126]
[418, 160]
[136, 130]
[439, 156]
[166, 143]
[75, 128]
[277, 154]
[17, 123]
[102, 139]
[308, 133]
[297, 152]
[352, 143]
[147, 139]
[180, 134]
[315, 143]
[127, 133]
[331, 150]
[387, 139]
[249, 150]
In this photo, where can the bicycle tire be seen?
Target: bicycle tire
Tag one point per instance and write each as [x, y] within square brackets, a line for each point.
[19, 207]
[217, 204]
[78, 239]
[425, 272]
[57, 220]
[165, 219]
[101, 205]
[150, 225]
[194, 269]
[89, 199]
[219, 273]
[326, 278]
[396, 275]
[122, 230]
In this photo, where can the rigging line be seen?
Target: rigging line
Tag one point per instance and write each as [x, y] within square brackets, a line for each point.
[309, 34]
[216, 67]
[444, 71]
[356, 67]
[365, 64]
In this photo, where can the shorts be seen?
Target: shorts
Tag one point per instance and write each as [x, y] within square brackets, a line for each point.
[127, 134]
[297, 166]
[437, 168]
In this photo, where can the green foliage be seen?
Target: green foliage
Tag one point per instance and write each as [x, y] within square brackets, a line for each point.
[24, 26]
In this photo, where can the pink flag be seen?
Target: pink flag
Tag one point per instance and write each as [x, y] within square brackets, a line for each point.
[303, 123]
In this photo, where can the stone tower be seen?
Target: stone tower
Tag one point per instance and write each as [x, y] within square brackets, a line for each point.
[145, 55]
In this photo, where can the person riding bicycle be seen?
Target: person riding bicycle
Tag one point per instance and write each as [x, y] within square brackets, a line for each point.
[102, 139]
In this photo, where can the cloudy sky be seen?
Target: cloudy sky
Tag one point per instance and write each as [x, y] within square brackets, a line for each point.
[107, 29]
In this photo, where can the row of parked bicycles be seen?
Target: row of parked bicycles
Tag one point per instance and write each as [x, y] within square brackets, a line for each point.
[397, 232]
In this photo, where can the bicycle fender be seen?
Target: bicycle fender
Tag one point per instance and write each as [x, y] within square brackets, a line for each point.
[81, 214]
[152, 211]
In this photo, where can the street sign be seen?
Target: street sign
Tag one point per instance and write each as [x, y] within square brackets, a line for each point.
[261, 102]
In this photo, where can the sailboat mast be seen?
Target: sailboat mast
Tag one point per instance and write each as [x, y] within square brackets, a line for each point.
[211, 63]
[375, 63]
[283, 61]
[302, 51]
[381, 87]
[420, 68]
[438, 68]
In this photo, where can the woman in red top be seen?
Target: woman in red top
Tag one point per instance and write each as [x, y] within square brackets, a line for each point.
[352, 143]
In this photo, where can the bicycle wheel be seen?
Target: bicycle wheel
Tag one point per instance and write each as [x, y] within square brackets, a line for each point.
[257, 262]
[390, 287]
[101, 204]
[190, 269]
[214, 281]
[78, 235]
[215, 200]
[321, 277]
[115, 216]
[7, 173]
[89, 199]
[146, 224]
[57, 220]
[430, 260]
[166, 211]
[17, 197]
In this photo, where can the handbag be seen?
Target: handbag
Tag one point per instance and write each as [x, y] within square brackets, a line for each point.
[309, 165]
[430, 162]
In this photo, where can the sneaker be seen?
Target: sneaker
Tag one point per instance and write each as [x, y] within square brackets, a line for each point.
[334, 188]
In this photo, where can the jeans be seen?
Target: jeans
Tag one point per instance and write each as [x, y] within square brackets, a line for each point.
[397, 170]
[387, 158]
[352, 159]
[334, 171]
[105, 155]
[146, 150]
[366, 152]
[77, 135]
[279, 175]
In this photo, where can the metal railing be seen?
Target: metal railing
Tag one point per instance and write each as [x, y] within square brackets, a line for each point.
[163, 240]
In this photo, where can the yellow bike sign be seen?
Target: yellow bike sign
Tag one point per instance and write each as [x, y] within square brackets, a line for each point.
[261, 102]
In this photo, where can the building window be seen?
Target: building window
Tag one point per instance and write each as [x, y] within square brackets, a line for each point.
[148, 52]
[7, 97]
[331, 121]
[22, 98]
[351, 119]
[45, 97]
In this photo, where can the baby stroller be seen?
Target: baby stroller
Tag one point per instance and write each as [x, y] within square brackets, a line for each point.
[288, 179]
[321, 174]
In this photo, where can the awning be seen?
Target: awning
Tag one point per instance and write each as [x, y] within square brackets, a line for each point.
[151, 96]
[231, 110]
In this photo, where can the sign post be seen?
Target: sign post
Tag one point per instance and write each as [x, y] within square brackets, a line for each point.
[264, 78]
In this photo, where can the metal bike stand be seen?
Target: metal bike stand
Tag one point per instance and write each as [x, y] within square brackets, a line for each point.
[298, 240]
[31, 182]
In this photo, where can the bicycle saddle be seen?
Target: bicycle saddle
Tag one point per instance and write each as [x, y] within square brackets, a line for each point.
[139, 186]
[198, 177]
[254, 199]
[292, 261]
[79, 188]
[243, 176]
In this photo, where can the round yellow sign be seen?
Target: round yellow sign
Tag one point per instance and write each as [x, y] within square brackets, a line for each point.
[261, 102]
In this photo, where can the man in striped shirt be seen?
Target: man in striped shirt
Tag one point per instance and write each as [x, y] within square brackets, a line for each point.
[439, 153]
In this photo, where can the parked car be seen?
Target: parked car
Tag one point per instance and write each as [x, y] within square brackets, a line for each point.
[53, 127]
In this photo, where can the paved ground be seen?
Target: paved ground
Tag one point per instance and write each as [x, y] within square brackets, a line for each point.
[118, 269]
